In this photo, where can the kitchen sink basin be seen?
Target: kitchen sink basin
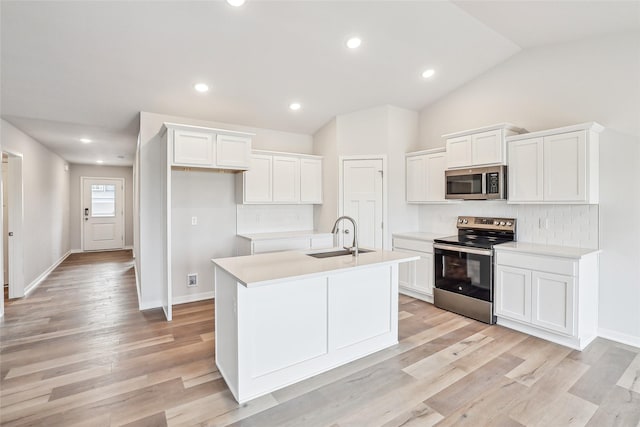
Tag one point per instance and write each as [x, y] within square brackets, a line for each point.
[337, 253]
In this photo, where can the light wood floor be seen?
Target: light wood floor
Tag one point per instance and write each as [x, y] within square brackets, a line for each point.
[77, 352]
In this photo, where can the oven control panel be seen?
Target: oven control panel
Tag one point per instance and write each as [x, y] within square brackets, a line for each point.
[487, 223]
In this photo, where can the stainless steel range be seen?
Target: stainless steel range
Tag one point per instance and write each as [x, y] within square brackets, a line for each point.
[464, 266]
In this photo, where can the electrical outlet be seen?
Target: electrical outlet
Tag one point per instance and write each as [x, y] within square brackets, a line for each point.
[194, 220]
[192, 280]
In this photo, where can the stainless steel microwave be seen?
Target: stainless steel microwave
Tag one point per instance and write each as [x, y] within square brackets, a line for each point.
[483, 183]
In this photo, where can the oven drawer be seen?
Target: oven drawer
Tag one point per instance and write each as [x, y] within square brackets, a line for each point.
[567, 267]
[413, 245]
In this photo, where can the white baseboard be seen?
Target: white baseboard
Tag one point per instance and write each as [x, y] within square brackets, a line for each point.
[149, 305]
[619, 337]
[192, 298]
[80, 251]
[33, 285]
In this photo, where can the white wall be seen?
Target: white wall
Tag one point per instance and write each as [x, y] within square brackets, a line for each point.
[273, 218]
[384, 130]
[216, 209]
[554, 86]
[325, 143]
[46, 202]
[98, 171]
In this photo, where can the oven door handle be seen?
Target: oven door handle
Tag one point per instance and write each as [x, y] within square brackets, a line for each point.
[487, 252]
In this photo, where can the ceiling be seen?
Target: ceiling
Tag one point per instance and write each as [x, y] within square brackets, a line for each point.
[73, 69]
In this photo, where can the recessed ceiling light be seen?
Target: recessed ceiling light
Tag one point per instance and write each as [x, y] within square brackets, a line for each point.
[201, 87]
[428, 73]
[99, 162]
[295, 106]
[354, 42]
[236, 3]
[85, 140]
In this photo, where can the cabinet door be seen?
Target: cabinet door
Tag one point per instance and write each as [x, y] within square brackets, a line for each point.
[233, 152]
[552, 302]
[423, 279]
[416, 184]
[513, 293]
[286, 179]
[257, 180]
[565, 167]
[525, 170]
[487, 148]
[406, 271]
[459, 152]
[193, 148]
[311, 181]
[435, 166]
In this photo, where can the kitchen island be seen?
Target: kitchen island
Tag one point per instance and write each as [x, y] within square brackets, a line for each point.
[286, 316]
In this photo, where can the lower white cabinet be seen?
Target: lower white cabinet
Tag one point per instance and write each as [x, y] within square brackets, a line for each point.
[548, 296]
[415, 278]
[288, 241]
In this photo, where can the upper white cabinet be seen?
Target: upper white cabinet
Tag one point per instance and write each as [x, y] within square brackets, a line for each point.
[195, 146]
[425, 176]
[555, 166]
[310, 180]
[281, 178]
[479, 147]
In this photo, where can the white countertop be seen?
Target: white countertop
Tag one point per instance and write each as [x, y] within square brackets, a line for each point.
[419, 235]
[283, 235]
[269, 268]
[551, 250]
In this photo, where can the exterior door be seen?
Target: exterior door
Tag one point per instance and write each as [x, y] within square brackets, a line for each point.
[102, 213]
[362, 200]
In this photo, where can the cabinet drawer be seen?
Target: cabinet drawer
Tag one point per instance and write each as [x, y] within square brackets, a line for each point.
[276, 245]
[413, 245]
[548, 264]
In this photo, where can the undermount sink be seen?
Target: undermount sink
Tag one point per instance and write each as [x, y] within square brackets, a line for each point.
[340, 252]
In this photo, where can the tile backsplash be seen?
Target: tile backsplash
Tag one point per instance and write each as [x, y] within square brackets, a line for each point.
[564, 225]
[273, 218]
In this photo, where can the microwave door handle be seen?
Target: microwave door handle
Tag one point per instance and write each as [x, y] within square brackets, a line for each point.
[484, 183]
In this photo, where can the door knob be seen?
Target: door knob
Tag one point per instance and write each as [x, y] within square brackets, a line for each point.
[11, 234]
[346, 231]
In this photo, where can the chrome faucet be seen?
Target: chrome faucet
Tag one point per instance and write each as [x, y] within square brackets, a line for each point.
[354, 248]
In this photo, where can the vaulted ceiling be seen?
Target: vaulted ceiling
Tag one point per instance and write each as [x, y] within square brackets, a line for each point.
[74, 69]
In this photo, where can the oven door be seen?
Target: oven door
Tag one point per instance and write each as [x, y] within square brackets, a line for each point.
[465, 185]
[464, 270]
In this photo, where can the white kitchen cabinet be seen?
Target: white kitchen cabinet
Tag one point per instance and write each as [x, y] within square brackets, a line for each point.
[478, 147]
[286, 179]
[258, 243]
[555, 166]
[281, 178]
[525, 170]
[233, 151]
[549, 292]
[425, 176]
[195, 146]
[257, 184]
[310, 181]
[416, 277]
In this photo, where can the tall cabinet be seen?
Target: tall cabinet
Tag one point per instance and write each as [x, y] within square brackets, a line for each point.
[193, 147]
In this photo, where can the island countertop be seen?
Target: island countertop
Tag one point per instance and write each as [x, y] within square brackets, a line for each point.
[269, 268]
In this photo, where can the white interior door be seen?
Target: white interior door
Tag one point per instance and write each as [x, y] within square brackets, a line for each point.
[5, 221]
[102, 213]
[362, 200]
[15, 222]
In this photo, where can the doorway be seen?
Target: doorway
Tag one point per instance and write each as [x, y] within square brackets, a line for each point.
[363, 198]
[12, 224]
[102, 213]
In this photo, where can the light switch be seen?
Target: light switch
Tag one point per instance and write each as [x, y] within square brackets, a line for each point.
[194, 220]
